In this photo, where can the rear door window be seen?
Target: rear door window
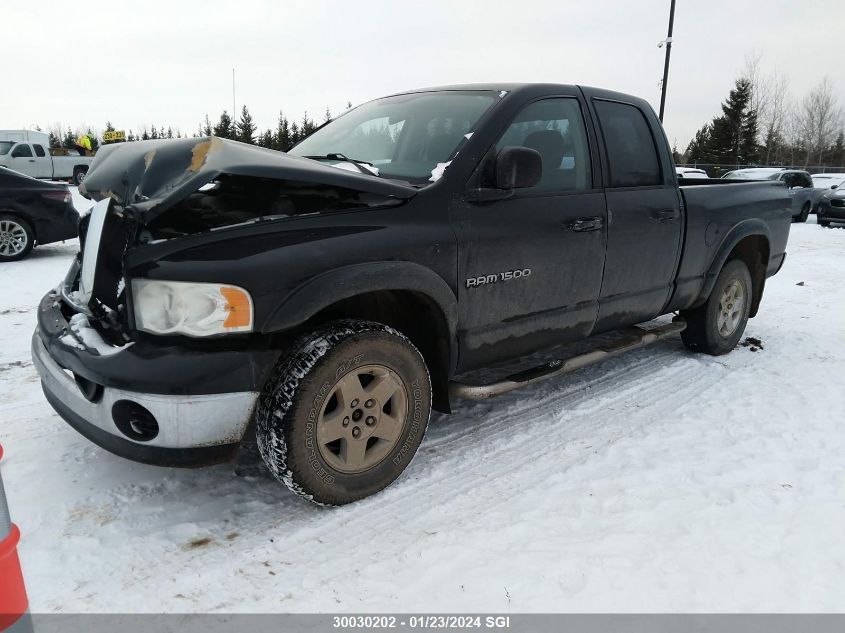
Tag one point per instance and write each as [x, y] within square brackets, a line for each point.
[631, 152]
[39, 151]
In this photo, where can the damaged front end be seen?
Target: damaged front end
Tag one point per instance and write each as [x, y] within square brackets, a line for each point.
[118, 346]
[149, 191]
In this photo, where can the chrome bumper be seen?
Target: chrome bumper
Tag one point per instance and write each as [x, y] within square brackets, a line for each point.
[184, 421]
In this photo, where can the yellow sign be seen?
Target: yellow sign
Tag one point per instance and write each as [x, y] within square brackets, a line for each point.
[115, 135]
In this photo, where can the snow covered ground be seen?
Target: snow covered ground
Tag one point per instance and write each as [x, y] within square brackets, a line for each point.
[658, 481]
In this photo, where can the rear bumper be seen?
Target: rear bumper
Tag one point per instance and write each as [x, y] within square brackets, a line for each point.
[200, 400]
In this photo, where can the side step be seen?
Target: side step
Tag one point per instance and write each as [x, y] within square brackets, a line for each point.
[635, 337]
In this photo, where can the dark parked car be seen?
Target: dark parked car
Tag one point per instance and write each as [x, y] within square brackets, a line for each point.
[33, 212]
[831, 208]
[320, 303]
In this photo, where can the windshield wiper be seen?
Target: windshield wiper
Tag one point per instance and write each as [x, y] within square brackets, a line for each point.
[338, 156]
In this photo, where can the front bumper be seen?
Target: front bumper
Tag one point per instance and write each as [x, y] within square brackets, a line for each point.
[197, 421]
[826, 211]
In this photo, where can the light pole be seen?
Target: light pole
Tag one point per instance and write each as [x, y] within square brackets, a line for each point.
[668, 42]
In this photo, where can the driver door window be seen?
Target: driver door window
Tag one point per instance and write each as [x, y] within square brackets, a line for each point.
[555, 129]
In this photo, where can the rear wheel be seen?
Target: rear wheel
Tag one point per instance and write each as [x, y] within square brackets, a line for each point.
[79, 175]
[16, 238]
[824, 223]
[805, 213]
[344, 413]
[716, 326]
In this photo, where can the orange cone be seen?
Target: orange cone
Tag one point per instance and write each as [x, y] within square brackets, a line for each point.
[13, 600]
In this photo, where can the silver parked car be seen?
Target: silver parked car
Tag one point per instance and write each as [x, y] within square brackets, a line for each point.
[798, 182]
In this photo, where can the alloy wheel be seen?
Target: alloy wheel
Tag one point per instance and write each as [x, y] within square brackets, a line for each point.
[13, 238]
[362, 419]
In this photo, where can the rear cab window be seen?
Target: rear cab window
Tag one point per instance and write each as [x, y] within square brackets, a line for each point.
[22, 150]
[631, 151]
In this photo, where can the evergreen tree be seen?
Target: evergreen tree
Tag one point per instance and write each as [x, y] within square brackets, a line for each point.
[205, 128]
[698, 148]
[266, 139]
[55, 141]
[246, 127]
[169, 132]
[109, 127]
[69, 140]
[307, 126]
[282, 139]
[294, 135]
[733, 135]
[327, 116]
[153, 132]
[145, 136]
[224, 127]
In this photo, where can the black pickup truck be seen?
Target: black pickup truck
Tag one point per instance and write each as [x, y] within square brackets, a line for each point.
[319, 303]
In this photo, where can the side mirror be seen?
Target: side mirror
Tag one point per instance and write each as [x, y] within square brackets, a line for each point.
[518, 168]
[834, 186]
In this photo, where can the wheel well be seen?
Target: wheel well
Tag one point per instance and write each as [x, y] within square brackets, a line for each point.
[754, 251]
[414, 314]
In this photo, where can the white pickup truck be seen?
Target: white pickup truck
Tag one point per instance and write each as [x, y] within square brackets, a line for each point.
[29, 153]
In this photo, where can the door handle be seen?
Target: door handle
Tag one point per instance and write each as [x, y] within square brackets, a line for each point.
[31, 160]
[666, 215]
[582, 225]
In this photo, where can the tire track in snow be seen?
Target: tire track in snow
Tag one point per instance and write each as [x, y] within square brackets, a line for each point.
[526, 421]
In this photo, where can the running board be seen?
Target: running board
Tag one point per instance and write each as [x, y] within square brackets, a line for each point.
[635, 338]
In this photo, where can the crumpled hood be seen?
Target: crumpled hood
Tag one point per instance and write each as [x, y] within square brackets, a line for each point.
[148, 177]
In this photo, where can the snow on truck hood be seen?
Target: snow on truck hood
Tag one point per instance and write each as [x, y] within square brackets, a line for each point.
[149, 177]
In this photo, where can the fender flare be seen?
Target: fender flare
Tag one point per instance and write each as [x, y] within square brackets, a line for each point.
[349, 281]
[747, 228]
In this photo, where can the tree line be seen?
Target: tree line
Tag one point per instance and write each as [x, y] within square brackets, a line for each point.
[762, 124]
[285, 135]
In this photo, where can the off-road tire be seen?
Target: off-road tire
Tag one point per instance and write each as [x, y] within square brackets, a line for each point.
[29, 236]
[805, 213]
[298, 392]
[702, 332]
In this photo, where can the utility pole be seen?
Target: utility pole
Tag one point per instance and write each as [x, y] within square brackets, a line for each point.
[668, 42]
[235, 113]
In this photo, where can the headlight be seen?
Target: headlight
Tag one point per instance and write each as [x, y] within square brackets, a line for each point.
[194, 309]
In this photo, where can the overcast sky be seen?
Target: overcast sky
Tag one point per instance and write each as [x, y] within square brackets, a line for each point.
[138, 63]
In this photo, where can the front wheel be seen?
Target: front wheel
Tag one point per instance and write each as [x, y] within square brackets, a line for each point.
[345, 411]
[805, 213]
[716, 326]
[16, 238]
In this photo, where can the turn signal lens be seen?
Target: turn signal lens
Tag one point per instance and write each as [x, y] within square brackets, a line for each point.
[239, 307]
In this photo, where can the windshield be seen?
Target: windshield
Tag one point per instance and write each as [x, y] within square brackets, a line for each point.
[5, 146]
[405, 136]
